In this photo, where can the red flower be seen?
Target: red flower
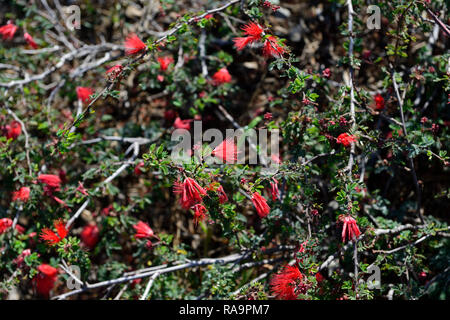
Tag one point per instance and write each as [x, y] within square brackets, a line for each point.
[30, 40]
[191, 192]
[143, 230]
[5, 224]
[319, 277]
[199, 213]
[253, 30]
[274, 189]
[326, 73]
[51, 237]
[271, 47]
[350, 230]
[226, 151]
[345, 139]
[45, 279]
[8, 31]
[20, 229]
[260, 203]
[287, 284]
[379, 102]
[20, 258]
[82, 189]
[13, 130]
[160, 77]
[51, 180]
[134, 45]
[84, 93]
[241, 42]
[221, 76]
[114, 71]
[182, 124]
[137, 169]
[164, 62]
[90, 235]
[222, 195]
[22, 194]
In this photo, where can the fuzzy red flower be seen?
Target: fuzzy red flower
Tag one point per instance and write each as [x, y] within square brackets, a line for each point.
[191, 192]
[5, 224]
[287, 284]
[379, 102]
[137, 169]
[260, 203]
[90, 235]
[164, 62]
[182, 124]
[13, 130]
[226, 151]
[272, 48]
[45, 279]
[241, 42]
[114, 71]
[51, 180]
[350, 230]
[274, 189]
[345, 139]
[22, 194]
[134, 45]
[253, 30]
[8, 31]
[143, 230]
[29, 39]
[222, 76]
[326, 73]
[84, 93]
[82, 189]
[51, 237]
[199, 213]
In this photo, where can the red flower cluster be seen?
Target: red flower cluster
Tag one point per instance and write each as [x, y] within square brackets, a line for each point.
[226, 151]
[222, 195]
[51, 237]
[114, 71]
[5, 224]
[164, 62]
[272, 48]
[379, 102]
[222, 76]
[29, 39]
[134, 45]
[143, 230]
[199, 213]
[191, 192]
[254, 33]
[182, 124]
[350, 230]
[90, 236]
[345, 139]
[45, 279]
[12, 130]
[260, 203]
[22, 194]
[274, 189]
[84, 94]
[287, 284]
[52, 184]
[7, 31]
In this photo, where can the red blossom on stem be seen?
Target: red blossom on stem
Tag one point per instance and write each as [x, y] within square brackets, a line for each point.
[222, 195]
[272, 48]
[164, 62]
[199, 213]
[7, 31]
[287, 284]
[350, 230]
[5, 224]
[90, 236]
[23, 194]
[191, 192]
[51, 237]
[29, 39]
[274, 189]
[84, 93]
[260, 203]
[345, 139]
[222, 76]
[182, 124]
[134, 45]
[114, 71]
[12, 130]
[379, 102]
[143, 230]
